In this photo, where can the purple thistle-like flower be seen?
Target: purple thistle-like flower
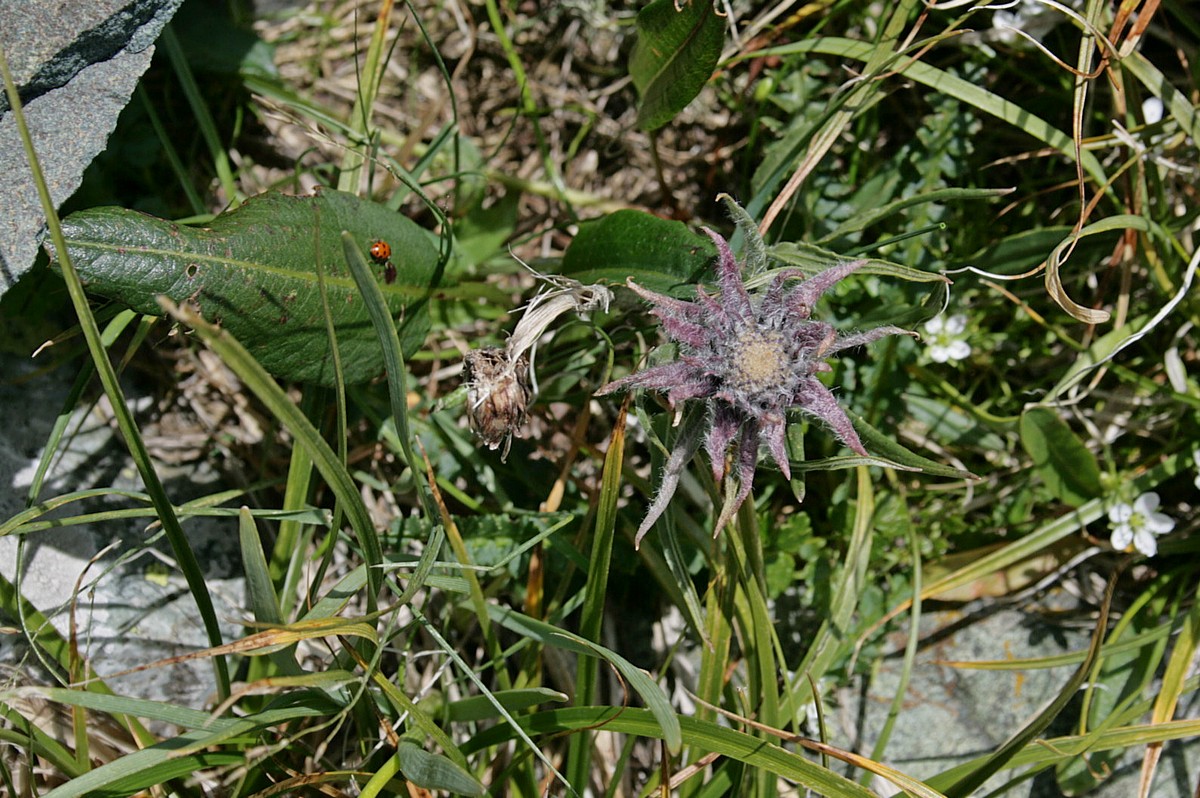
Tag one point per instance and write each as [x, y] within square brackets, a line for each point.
[750, 358]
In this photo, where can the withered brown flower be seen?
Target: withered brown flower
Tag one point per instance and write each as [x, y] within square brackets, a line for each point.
[500, 380]
[498, 394]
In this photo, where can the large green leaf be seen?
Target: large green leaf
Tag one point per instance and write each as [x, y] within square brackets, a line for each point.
[657, 253]
[1067, 467]
[676, 52]
[252, 271]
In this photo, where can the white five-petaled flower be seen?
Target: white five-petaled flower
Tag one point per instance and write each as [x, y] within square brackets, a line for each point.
[946, 338]
[1139, 524]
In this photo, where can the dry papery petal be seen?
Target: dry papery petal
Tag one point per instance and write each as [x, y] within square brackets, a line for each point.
[500, 381]
[498, 394]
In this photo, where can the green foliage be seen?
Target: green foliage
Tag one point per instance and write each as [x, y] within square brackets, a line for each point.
[1061, 459]
[677, 49]
[659, 254]
[942, 153]
[253, 271]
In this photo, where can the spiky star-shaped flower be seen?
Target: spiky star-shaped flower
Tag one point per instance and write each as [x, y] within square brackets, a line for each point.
[749, 358]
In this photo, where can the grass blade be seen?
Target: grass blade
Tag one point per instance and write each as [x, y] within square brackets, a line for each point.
[283, 408]
[184, 555]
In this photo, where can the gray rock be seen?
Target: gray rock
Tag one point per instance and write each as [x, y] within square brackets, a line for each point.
[75, 66]
[131, 607]
[952, 715]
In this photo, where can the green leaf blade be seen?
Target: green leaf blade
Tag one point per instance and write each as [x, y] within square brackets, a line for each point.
[435, 772]
[1068, 469]
[658, 254]
[675, 55]
[252, 271]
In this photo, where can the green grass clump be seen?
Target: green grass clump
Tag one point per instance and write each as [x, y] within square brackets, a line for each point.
[423, 612]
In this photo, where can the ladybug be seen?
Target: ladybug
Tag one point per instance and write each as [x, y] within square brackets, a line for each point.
[380, 251]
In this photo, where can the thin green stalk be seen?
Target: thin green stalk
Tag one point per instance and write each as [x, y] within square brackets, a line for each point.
[360, 116]
[714, 658]
[339, 389]
[451, 96]
[204, 120]
[184, 555]
[529, 107]
[910, 653]
[295, 496]
[579, 758]
[744, 550]
[173, 159]
[501, 710]
[281, 406]
[755, 616]
[113, 329]
[833, 637]
[478, 601]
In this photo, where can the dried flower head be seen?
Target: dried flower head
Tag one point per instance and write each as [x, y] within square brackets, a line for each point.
[500, 381]
[749, 358]
[498, 394]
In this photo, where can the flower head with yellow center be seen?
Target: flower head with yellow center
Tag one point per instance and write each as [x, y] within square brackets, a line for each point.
[750, 358]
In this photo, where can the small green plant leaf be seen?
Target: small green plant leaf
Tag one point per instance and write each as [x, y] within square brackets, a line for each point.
[885, 450]
[263, 599]
[754, 253]
[676, 52]
[1065, 465]
[657, 253]
[252, 271]
[434, 772]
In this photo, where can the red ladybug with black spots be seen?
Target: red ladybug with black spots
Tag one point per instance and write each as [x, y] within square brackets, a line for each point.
[381, 253]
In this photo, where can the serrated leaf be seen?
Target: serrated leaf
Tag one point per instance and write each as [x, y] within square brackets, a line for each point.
[676, 52]
[657, 253]
[812, 259]
[1065, 465]
[252, 271]
[754, 255]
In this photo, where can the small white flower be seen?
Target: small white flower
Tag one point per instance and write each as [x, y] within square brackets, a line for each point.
[1138, 524]
[947, 339]
[1196, 460]
[1152, 110]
